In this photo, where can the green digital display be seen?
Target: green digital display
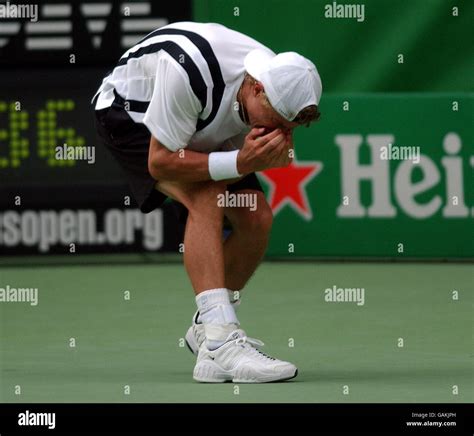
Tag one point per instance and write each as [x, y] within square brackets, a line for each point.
[38, 121]
[49, 134]
[12, 135]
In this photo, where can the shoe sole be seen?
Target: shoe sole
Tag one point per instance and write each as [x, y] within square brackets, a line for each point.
[209, 372]
[268, 381]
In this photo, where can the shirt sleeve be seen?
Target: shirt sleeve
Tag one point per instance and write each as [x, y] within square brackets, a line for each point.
[174, 109]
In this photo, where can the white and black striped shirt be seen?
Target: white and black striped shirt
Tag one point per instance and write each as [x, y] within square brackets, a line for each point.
[181, 81]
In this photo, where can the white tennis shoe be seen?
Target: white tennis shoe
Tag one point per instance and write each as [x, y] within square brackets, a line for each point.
[240, 361]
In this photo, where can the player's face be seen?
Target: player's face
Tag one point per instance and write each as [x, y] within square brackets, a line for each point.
[260, 114]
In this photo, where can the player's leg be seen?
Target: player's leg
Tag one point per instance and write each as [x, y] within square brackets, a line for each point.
[203, 249]
[204, 255]
[239, 358]
[246, 245]
[227, 353]
[243, 251]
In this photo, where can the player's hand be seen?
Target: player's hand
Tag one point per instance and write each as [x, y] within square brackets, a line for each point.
[258, 153]
[282, 155]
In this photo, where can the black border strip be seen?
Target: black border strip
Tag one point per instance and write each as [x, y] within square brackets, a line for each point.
[310, 418]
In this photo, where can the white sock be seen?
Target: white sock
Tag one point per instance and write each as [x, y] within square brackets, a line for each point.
[234, 298]
[217, 315]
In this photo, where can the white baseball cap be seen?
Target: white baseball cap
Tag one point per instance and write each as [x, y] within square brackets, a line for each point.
[290, 80]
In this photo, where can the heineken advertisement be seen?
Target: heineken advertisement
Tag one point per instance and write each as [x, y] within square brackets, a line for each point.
[381, 175]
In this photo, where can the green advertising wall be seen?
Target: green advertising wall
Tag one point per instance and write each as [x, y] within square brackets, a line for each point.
[343, 196]
[401, 76]
[435, 40]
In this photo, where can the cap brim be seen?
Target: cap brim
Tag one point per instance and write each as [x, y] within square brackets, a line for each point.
[257, 62]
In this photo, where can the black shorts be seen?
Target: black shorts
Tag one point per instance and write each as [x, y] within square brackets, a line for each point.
[129, 143]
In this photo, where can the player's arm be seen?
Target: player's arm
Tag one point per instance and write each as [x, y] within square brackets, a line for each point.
[171, 118]
[258, 152]
[185, 165]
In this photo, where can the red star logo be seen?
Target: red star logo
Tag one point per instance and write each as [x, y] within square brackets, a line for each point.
[288, 186]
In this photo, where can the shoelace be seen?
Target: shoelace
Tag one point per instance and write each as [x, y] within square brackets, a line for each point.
[252, 344]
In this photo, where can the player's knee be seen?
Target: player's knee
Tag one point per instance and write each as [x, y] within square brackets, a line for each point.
[264, 218]
[259, 222]
[206, 196]
[153, 169]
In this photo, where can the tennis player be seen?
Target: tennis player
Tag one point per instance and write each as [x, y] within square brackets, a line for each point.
[192, 112]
